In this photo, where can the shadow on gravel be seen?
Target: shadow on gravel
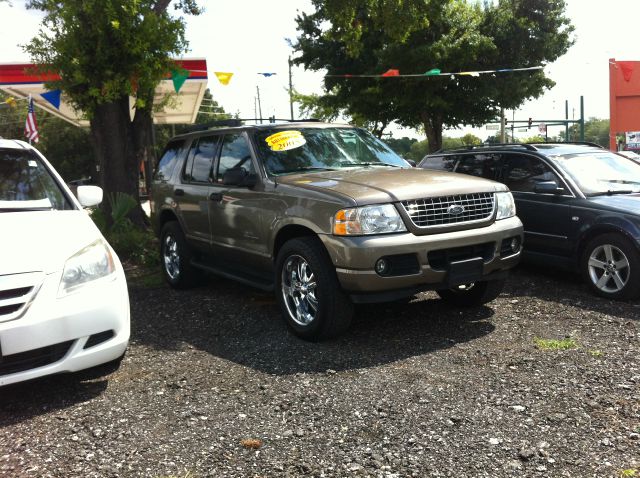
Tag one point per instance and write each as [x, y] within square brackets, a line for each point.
[22, 401]
[565, 288]
[243, 325]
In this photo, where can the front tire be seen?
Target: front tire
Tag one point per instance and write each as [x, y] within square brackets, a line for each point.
[176, 258]
[611, 266]
[312, 302]
[473, 294]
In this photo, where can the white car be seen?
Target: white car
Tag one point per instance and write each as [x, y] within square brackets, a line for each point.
[631, 155]
[64, 304]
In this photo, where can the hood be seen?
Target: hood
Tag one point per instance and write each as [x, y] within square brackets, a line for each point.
[624, 203]
[42, 240]
[379, 185]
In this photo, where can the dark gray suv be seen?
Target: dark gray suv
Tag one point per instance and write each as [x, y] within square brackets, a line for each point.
[327, 216]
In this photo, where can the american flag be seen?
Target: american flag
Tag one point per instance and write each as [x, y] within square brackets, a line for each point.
[31, 126]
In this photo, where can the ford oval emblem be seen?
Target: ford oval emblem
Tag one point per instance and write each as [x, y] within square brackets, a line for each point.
[455, 209]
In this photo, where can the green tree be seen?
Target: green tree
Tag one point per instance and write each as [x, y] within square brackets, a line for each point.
[402, 146]
[596, 130]
[458, 36]
[105, 51]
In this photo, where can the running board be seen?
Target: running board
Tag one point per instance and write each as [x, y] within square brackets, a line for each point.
[250, 281]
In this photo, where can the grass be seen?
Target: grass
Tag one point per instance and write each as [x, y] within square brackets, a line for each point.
[553, 344]
[628, 473]
[596, 353]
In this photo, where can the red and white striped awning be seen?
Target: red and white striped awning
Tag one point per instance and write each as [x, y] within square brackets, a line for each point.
[20, 81]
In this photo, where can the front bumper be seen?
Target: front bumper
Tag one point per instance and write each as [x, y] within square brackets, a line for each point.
[86, 328]
[355, 259]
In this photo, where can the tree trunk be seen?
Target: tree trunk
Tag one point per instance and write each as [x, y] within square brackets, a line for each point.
[112, 133]
[144, 141]
[433, 129]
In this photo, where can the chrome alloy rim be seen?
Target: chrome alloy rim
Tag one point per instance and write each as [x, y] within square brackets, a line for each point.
[609, 268]
[171, 257]
[299, 290]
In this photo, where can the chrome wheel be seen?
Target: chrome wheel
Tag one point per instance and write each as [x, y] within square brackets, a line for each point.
[299, 290]
[609, 268]
[171, 257]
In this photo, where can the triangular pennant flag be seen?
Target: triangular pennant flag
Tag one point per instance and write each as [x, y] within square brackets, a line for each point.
[179, 77]
[11, 101]
[433, 72]
[627, 69]
[223, 78]
[391, 73]
[52, 97]
[469, 73]
[267, 75]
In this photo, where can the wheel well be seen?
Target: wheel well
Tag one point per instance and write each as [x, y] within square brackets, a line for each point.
[592, 233]
[287, 233]
[164, 217]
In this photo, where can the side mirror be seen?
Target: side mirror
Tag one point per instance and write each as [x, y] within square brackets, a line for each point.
[89, 195]
[239, 177]
[411, 162]
[548, 187]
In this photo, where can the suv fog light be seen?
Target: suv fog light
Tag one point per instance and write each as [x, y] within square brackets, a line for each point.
[515, 244]
[382, 266]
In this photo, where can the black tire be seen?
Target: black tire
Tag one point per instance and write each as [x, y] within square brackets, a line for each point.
[176, 264]
[619, 276]
[474, 294]
[334, 310]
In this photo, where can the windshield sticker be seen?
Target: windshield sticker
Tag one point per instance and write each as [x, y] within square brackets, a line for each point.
[285, 140]
[32, 164]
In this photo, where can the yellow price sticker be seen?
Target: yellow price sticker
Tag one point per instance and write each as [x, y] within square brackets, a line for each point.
[285, 140]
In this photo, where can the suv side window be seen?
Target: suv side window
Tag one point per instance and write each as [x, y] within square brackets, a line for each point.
[235, 154]
[440, 163]
[521, 173]
[198, 166]
[480, 164]
[168, 160]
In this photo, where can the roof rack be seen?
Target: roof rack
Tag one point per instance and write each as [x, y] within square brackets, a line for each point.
[489, 146]
[236, 122]
[586, 143]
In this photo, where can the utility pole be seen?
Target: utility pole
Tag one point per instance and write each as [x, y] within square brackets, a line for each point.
[255, 106]
[502, 125]
[582, 118]
[513, 122]
[259, 104]
[566, 125]
[290, 89]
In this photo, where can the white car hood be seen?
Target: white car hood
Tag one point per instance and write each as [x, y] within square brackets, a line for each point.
[33, 241]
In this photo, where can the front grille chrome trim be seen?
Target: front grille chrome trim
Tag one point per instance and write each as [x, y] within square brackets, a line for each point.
[17, 292]
[435, 213]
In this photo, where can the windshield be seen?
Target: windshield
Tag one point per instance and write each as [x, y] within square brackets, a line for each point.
[309, 149]
[26, 184]
[601, 173]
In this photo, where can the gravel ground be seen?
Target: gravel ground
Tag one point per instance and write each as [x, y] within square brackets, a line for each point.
[213, 385]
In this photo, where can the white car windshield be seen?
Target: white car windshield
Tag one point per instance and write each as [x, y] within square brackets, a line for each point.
[27, 185]
[601, 173]
[315, 149]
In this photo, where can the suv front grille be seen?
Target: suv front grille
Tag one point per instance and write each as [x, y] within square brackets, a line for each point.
[450, 210]
[31, 359]
[17, 291]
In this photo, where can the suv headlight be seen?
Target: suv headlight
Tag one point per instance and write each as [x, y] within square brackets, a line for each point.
[87, 265]
[505, 205]
[358, 221]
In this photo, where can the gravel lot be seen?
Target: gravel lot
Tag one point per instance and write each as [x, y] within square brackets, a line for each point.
[214, 385]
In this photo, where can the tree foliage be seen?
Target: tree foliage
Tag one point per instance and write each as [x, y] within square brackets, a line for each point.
[105, 51]
[596, 130]
[452, 35]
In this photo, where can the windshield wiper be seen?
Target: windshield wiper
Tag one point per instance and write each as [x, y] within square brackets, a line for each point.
[611, 192]
[347, 163]
[306, 168]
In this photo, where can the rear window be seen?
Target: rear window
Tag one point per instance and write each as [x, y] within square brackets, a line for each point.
[27, 184]
[168, 160]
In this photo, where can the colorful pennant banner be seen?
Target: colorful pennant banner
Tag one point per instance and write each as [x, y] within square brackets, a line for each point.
[179, 77]
[437, 72]
[223, 77]
[52, 97]
[267, 75]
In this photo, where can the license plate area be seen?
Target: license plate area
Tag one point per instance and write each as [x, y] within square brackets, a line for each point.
[464, 272]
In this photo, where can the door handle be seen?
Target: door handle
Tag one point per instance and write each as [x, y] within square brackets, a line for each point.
[215, 197]
[179, 192]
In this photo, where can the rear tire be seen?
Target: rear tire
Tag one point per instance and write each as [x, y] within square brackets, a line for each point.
[176, 256]
[312, 302]
[474, 294]
[611, 266]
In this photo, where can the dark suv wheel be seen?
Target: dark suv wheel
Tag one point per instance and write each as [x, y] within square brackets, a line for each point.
[311, 299]
[176, 258]
[611, 266]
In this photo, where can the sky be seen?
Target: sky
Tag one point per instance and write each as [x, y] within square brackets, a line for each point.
[246, 37]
